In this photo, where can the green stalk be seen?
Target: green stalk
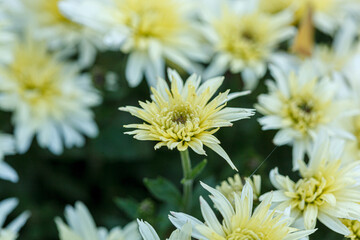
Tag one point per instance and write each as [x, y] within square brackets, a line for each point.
[187, 181]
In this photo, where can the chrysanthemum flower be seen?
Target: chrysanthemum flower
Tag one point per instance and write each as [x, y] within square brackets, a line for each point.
[235, 185]
[244, 39]
[59, 32]
[328, 189]
[334, 61]
[328, 14]
[81, 226]
[151, 32]
[354, 227]
[149, 233]
[299, 104]
[49, 98]
[240, 222]
[11, 231]
[186, 115]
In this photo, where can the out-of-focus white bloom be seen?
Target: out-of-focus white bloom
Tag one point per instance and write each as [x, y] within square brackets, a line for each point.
[300, 104]
[244, 39]
[81, 226]
[7, 147]
[328, 189]
[151, 32]
[48, 24]
[10, 232]
[328, 15]
[49, 99]
[239, 221]
[334, 61]
[149, 233]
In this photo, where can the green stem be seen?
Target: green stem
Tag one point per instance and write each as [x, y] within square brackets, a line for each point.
[187, 181]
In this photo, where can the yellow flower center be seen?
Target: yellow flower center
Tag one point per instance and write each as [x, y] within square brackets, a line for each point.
[303, 113]
[354, 227]
[308, 191]
[244, 38]
[156, 19]
[245, 234]
[356, 130]
[180, 122]
[36, 74]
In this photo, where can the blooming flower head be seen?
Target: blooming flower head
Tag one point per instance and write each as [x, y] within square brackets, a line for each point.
[354, 227]
[49, 98]
[50, 25]
[81, 226]
[328, 189]
[149, 233]
[10, 232]
[300, 104]
[235, 185]
[185, 115]
[151, 32]
[240, 222]
[244, 39]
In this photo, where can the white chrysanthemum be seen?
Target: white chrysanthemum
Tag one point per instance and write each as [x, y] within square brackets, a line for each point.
[151, 32]
[186, 115]
[240, 222]
[299, 104]
[81, 226]
[328, 15]
[60, 33]
[49, 98]
[351, 89]
[328, 189]
[149, 233]
[244, 39]
[333, 61]
[10, 232]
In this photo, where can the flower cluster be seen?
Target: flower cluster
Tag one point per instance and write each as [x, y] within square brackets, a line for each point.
[49, 53]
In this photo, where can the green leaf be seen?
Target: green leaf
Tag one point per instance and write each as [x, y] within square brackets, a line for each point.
[129, 206]
[198, 169]
[164, 190]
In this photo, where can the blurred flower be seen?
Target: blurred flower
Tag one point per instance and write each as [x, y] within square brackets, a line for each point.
[235, 185]
[240, 222]
[327, 190]
[49, 99]
[149, 233]
[354, 227]
[328, 14]
[300, 104]
[82, 227]
[10, 232]
[48, 24]
[334, 61]
[244, 39]
[7, 147]
[151, 32]
[186, 115]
